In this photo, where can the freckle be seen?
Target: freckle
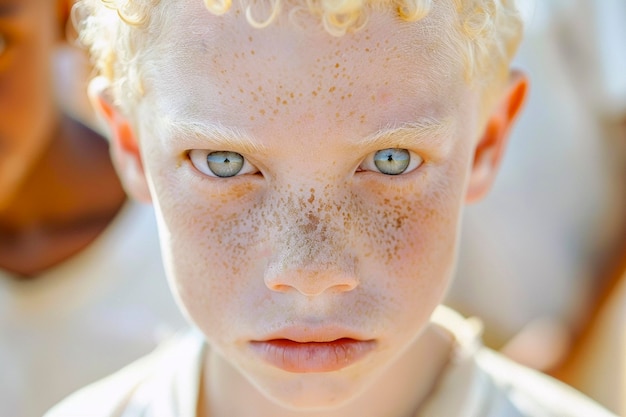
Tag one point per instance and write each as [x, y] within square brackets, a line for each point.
[260, 89]
[337, 65]
[314, 93]
[251, 117]
[250, 38]
[275, 111]
[252, 52]
[291, 95]
[331, 89]
[343, 97]
[262, 111]
[284, 102]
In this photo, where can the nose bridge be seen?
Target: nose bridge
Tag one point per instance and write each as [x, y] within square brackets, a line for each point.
[311, 253]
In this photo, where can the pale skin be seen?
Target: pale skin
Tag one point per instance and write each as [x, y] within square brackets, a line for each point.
[58, 188]
[310, 242]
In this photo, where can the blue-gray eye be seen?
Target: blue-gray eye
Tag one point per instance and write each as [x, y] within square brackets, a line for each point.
[224, 163]
[392, 161]
[221, 164]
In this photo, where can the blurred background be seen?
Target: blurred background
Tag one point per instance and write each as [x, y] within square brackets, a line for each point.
[543, 256]
[82, 288]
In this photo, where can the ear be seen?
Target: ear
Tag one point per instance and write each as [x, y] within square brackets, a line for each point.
[123, 143]
[491, 146]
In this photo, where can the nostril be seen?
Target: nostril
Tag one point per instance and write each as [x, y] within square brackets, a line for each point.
[277, 287]
[311, 284]
[346, 287]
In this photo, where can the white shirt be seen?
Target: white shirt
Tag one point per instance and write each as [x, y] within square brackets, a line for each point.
[85, 318]
[477, 383]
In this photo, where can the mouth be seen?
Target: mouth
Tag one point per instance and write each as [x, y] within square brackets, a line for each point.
[311, 357]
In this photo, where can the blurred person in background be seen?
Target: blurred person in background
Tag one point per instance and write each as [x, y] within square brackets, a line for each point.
[562, 303]
[80, 269]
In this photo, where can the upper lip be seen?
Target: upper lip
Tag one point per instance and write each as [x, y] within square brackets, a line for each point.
[311, 333]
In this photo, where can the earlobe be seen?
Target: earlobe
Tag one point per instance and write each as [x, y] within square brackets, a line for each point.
[491, 146]
[124, 147]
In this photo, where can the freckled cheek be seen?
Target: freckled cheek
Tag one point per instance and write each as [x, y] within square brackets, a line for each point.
[207, 244]
[412, 243]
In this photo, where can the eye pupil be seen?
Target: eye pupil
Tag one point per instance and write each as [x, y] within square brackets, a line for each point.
[392, 161]
[225, 164]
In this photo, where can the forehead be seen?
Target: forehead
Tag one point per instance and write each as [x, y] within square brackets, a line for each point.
[220, 67]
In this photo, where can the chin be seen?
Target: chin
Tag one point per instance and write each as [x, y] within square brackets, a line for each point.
[318, 391]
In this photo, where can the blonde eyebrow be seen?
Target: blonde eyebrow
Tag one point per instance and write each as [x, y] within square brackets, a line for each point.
[426, 130]
[215, 134]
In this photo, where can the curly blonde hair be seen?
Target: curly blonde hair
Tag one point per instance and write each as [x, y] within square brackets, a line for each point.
[485, 37]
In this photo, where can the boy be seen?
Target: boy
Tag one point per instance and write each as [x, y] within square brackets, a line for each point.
[78, 266]
[308, 162]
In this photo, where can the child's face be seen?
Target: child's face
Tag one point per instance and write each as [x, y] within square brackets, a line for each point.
[312, 240]
[28, 32]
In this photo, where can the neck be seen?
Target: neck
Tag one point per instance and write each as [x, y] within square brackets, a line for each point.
[69, 197]
[398, 392]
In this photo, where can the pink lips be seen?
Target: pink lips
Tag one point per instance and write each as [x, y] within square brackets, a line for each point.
[309, 357]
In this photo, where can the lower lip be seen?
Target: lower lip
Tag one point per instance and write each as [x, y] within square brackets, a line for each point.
[312, 357]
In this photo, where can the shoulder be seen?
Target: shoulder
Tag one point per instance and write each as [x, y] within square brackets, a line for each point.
[534, 393]
[482, 383]
[166, 379]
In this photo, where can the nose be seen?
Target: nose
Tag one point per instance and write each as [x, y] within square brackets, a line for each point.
[311, 251]
[312, 257]
[310, 283]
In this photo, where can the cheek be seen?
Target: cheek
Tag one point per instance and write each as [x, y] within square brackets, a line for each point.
[411, 245]
[205, 238]
[413, 224]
